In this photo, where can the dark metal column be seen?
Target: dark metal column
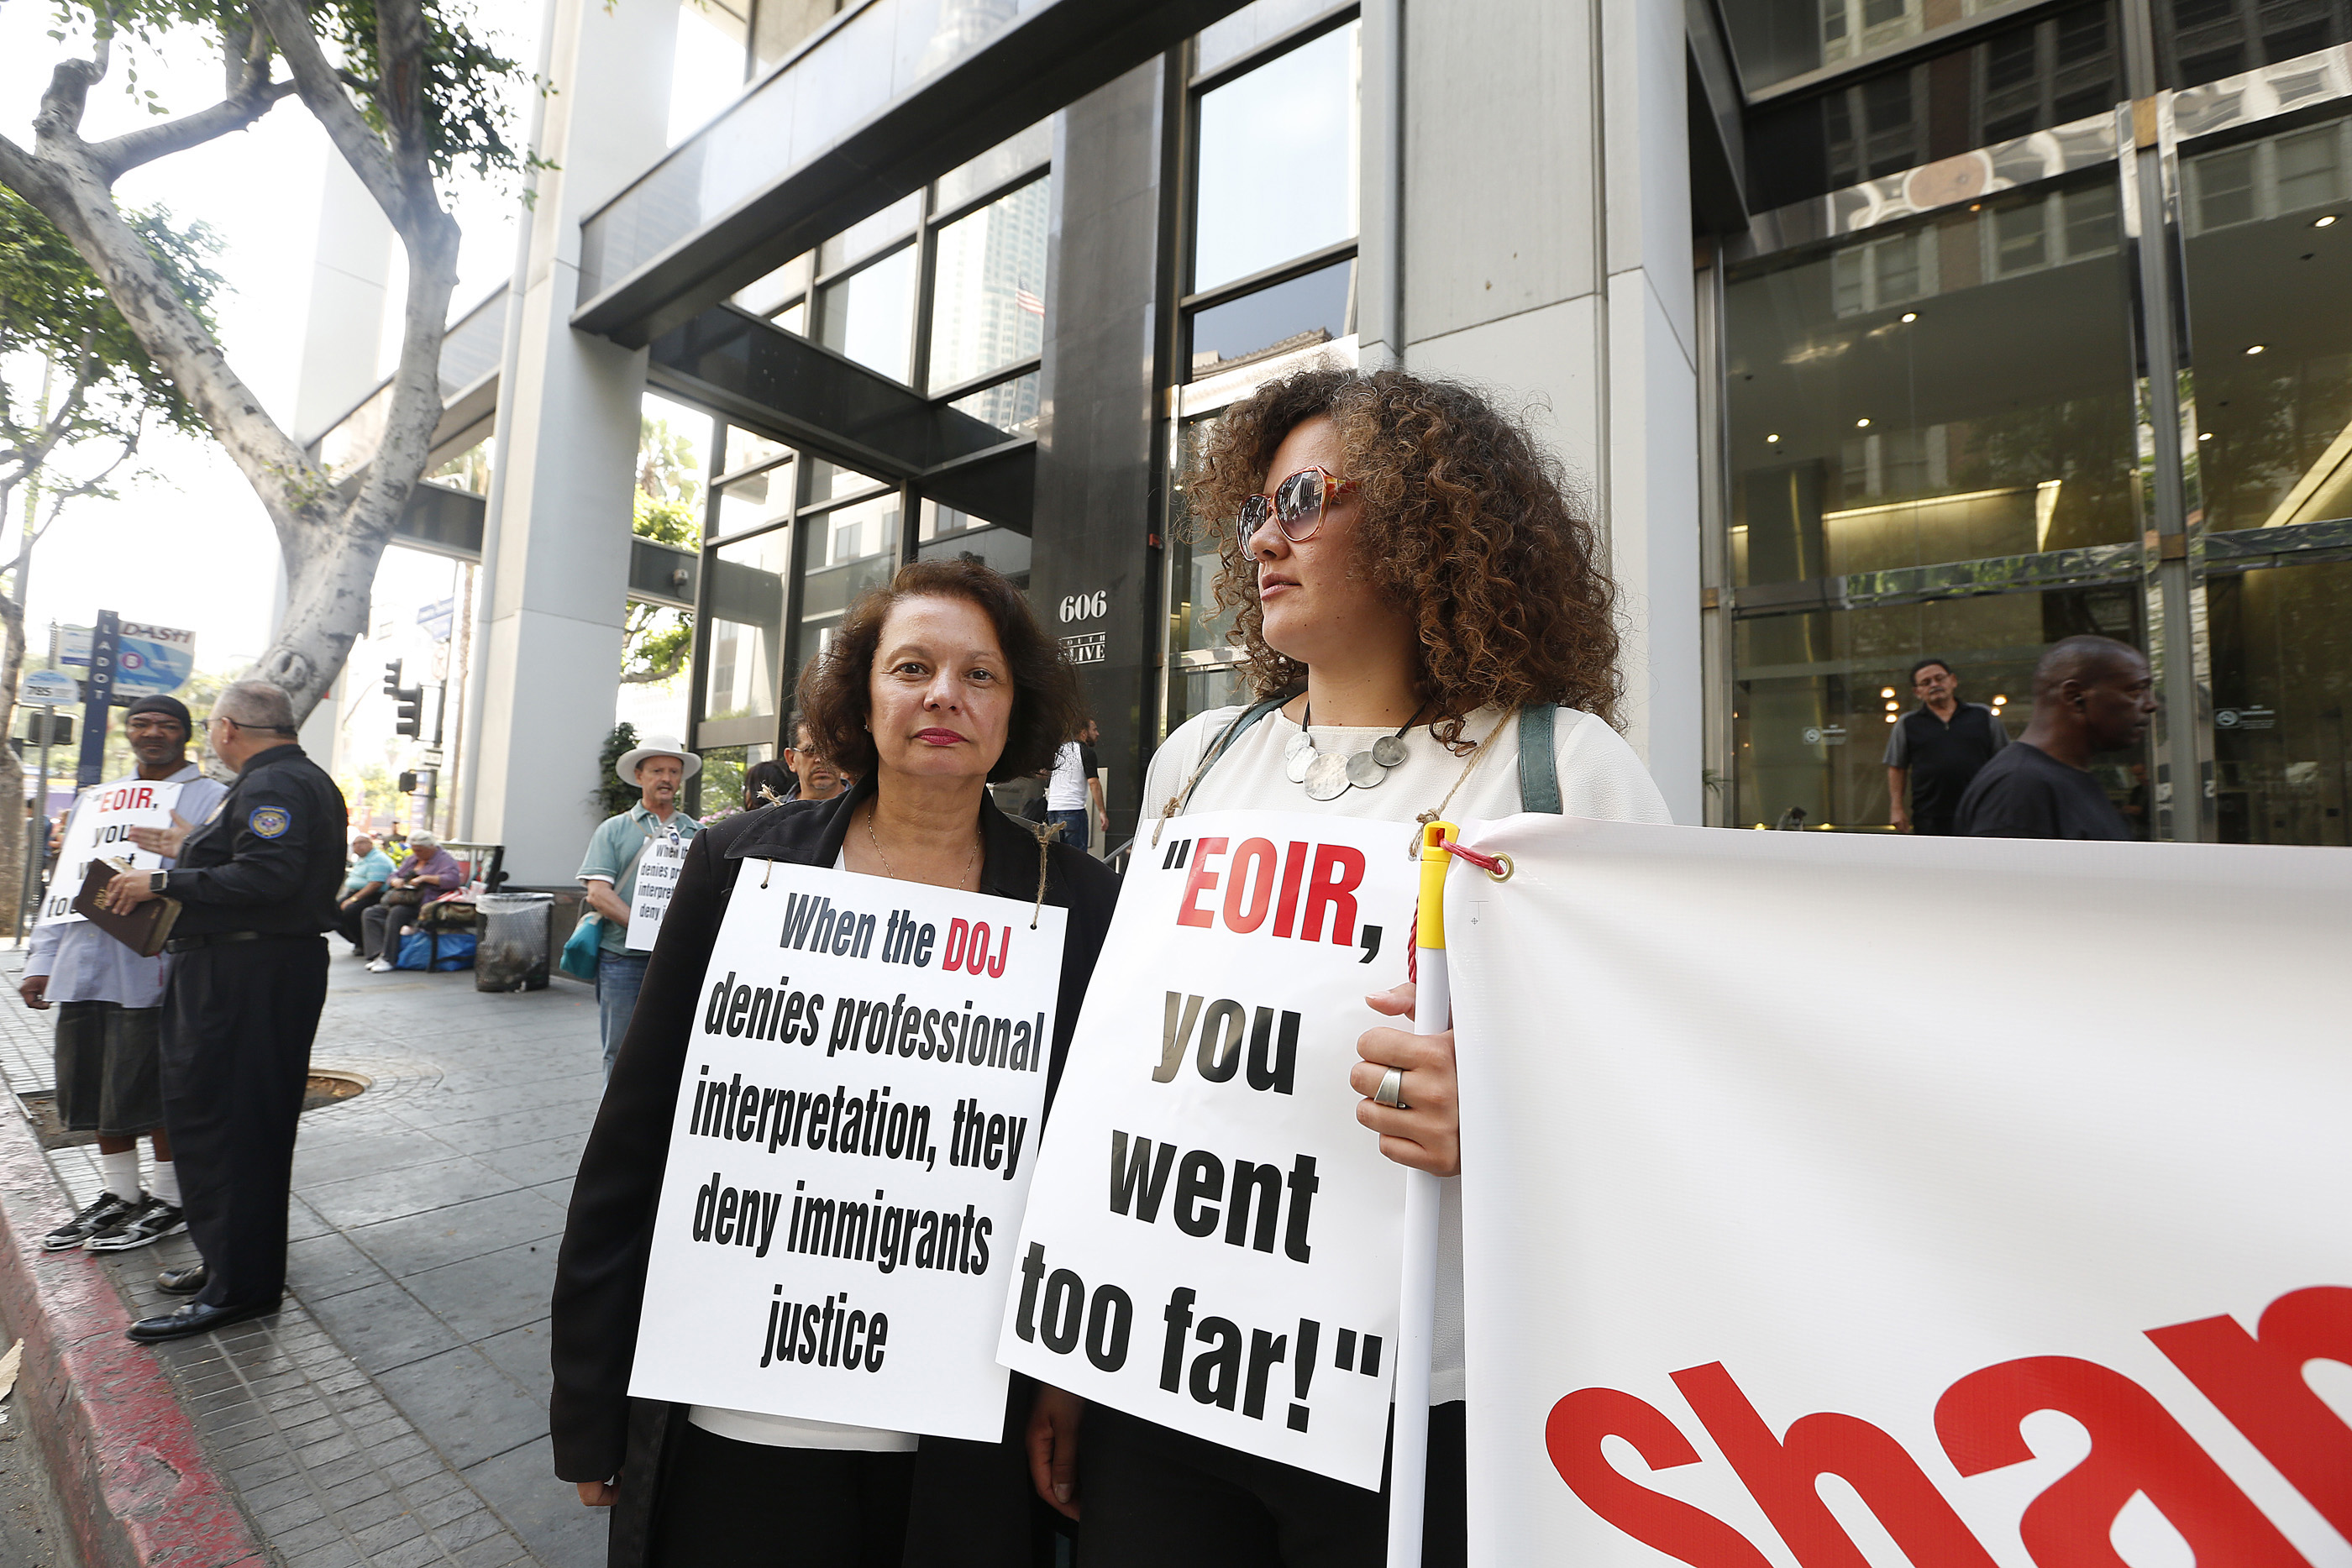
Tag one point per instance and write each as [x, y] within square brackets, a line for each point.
[1094, 577]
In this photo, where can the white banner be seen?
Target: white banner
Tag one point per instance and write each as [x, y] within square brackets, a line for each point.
[856, 1129]
[1236, 1277]
[103, 816]
[2003, 1182]
[658, 865]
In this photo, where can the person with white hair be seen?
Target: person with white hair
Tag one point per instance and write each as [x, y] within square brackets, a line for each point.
[659, 768]
[429, 871]
[256, 886]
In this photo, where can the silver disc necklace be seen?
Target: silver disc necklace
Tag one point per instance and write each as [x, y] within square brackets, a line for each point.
[1326, 774]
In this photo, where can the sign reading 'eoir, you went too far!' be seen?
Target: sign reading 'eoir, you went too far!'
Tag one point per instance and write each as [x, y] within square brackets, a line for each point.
[857, 1123]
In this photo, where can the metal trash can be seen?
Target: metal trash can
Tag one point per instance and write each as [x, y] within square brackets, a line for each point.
[517, 935]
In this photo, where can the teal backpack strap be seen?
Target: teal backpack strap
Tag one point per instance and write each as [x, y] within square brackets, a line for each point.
[1241, 721]
[1539, 767]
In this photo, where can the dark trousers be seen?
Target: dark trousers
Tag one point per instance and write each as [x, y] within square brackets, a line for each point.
[238, 1020]
[1152, 1498]
[347, 917]
[746, 1504]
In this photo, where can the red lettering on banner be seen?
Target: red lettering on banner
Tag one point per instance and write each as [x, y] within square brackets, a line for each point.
[1249, 885]
[1202, 880]
[959, 938]
[1285, 914]
[2256, 1380]
[1781, 1474]
[1338, 872]
[1572, 1435]
[2136, 1447]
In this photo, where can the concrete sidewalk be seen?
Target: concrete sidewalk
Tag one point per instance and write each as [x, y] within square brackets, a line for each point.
[394, 1413]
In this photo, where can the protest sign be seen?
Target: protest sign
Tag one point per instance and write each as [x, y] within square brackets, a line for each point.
[1236, 1277]
[658, 865]
[856, 1128]
[101, 827]
[1894, 1161]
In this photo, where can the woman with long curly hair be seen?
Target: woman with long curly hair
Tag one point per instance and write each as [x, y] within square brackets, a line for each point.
[1427, 633]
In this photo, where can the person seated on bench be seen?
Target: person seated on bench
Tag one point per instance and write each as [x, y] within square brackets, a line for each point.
[429, 871]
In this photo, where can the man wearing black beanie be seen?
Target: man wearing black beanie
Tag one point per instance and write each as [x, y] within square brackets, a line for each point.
[110, 1002]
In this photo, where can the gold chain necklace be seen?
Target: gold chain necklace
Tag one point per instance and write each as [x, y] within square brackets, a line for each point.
[886, 859]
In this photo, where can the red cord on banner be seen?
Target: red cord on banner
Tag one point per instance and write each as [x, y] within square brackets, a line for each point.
[1493, 865]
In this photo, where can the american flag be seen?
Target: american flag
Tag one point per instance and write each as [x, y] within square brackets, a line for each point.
[1028, 301]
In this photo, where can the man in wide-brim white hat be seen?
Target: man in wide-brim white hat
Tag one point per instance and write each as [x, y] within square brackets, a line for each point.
[659, 768]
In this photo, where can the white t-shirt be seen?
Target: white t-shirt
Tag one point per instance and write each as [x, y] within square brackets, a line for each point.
[790, 1432]
[1600, 777]
[1066, 790]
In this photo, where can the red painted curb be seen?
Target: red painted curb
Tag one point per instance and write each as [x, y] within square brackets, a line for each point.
[137, 1487]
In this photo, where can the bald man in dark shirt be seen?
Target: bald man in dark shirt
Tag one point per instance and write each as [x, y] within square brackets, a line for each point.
[2090, 694]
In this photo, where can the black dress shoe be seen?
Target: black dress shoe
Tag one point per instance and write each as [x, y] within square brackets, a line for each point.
[195, 1318]
[184, 1280]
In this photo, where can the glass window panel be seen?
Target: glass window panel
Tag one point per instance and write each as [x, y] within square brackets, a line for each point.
[2271, 343]
[2281, 641]
[1811, 697]
[863, 238]
[780, 26]
[2205, 40]
[1011, 406]
[869, 315]
[1776, 39]
[744, 599]
[828, 480]
[772, 293]
[755, 501]
[706, 70]
[746, 447]
[1251, 27]
[794, 318]
[1277, 162]
[988, 288]
[850, 550]
[1001, 164]
[1932, 396]
[943, 533]
[1303, 311]
[672, 462]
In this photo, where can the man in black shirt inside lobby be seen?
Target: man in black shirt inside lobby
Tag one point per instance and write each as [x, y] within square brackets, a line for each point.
[2090, 694]
[1936, 748]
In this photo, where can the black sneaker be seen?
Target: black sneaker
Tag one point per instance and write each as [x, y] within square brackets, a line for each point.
[103, 1215]
[150, 1223]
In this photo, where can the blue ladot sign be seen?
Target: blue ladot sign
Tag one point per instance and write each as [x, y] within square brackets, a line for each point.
[153, 661]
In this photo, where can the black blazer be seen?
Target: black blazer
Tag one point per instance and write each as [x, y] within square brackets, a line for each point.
[971, 1505]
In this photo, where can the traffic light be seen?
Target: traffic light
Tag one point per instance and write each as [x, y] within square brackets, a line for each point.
[392, 672]
[410, 710]
[408, 783]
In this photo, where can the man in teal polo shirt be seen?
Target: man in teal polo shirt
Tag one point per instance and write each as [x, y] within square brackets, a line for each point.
[659, 768]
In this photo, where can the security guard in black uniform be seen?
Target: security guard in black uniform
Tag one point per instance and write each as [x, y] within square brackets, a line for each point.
[257, 883]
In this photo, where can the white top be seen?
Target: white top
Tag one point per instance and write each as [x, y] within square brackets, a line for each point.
[1600, 777]
[791, 1432]
[1066, 790]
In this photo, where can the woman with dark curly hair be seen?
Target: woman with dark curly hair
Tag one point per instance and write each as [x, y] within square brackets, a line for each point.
[1427, 633]
[929, 688]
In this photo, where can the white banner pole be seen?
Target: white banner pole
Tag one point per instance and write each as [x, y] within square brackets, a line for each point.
[1432, 1013]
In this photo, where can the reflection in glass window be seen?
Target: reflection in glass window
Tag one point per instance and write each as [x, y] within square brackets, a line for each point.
[767, 295]
[864, 237]
[1776, 39]
[780, 26]
[1277, 162]
[2269, 256]
[869, 315]
[744, 599]
[793, 318]
[749, 448]
[755, 501]
[1816, 694]
[1955, 391]
[1298, 314]
[2204, 40]
[2281, 641]
[1011, 406]
[828, 480]
[988, 288]
[851, 550]
[1252, 28]
[707, 71]
[943, 533]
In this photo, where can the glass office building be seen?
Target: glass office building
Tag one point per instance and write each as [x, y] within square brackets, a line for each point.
[1873, 330]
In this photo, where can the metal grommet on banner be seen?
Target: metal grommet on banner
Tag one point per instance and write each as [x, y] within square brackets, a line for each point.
[1504, 868]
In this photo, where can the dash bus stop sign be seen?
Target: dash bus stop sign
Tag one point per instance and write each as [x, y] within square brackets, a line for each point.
[150, 661]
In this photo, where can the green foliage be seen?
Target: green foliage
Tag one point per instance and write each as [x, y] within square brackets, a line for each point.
[721, 781]
[613, 797]
[667, 522]
[657, 640]
[669, 468]
[656, 643]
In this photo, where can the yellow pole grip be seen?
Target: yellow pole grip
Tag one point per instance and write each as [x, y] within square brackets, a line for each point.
[1429, 929]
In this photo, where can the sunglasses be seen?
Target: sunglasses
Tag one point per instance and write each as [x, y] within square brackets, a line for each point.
[1296, 506]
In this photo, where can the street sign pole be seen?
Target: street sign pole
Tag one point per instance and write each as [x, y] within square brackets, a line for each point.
[98, 695]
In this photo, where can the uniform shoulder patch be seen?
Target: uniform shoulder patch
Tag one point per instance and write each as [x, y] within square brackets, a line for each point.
[268, 822]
